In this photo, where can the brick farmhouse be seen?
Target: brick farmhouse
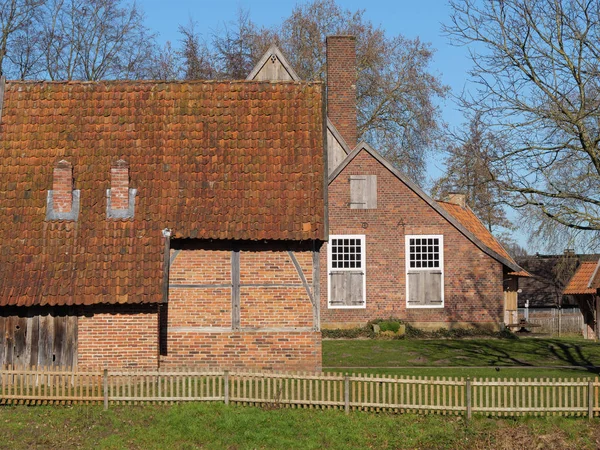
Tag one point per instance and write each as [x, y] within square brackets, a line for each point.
[393, 251]
[151, 224]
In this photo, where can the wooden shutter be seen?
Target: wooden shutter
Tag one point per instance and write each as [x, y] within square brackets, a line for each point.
[346, 288]
[424, 288]
[363, 191]
[433, 287]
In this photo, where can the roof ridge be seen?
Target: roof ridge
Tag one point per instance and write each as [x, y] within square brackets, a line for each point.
[133, 82]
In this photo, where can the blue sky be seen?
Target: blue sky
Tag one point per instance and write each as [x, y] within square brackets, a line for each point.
[411, 18]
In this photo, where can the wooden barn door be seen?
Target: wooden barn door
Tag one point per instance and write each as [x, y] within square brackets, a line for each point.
[38, 337]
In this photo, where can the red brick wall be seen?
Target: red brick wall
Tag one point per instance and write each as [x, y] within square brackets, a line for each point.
[62, 186]
[341, 86]
[276, 315]
[119, 185]
[118, 336]
[472, 280]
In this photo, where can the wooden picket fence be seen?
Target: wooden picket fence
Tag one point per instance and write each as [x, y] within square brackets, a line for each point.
[439, 395]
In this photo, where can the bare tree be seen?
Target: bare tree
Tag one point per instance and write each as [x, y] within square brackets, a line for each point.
[17, 17]
[197, 60]
[396, 92]
[536, 68]
[95, 39]
[165, 64]
[469, 171]
[236, 48]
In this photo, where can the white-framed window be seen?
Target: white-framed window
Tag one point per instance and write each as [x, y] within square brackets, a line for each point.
[346, 268]
[424, 271]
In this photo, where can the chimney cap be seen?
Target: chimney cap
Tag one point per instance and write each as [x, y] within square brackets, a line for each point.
[63, 164]
[120, 163]
[343, 36]
[457, 198]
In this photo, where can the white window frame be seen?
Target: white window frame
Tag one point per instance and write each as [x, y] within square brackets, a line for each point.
[407, 267]
[363, 256]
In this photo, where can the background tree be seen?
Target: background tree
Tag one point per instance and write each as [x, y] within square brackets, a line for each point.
[396, 92]
[95, 39]
[536, 68]
[237, 46]
[469, 172]
[17, 18]
[197, 60]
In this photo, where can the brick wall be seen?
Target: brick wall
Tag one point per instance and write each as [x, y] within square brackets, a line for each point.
[341, 86]
[472, 279]
[118, 336]
[276, 315]
[119, 185]
[62, 185]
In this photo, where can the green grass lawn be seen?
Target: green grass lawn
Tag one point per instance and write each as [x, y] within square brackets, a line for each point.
[215, 426]
[522, 357]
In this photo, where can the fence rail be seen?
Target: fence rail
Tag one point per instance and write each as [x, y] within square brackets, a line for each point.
[426, 395]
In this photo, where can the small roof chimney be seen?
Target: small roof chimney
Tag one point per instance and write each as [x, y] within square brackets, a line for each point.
[62, 185]
[457, 199]
[341, 86]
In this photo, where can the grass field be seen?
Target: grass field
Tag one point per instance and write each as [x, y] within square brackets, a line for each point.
[522, 357]
[216, 426]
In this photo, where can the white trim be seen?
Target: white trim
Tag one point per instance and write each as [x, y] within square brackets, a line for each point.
[407, 238]
[363, 269]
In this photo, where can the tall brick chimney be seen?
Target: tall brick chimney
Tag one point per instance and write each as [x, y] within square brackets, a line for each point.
[119, 185]
[62, 185]
[341, 86]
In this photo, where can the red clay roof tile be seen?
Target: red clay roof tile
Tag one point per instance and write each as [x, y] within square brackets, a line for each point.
[470, 221]
[209, 160]
[580, 282]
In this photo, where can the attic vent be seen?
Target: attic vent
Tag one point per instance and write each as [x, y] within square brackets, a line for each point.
[62, 202]
[273, 58]
[120, 200]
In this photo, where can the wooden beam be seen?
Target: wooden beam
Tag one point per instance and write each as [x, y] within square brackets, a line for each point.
[166, 264]
[317, 285]
[235, 289]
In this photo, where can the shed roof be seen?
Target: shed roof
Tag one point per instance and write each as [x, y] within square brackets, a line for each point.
[471, 222]
[210, 160]
[584, 281]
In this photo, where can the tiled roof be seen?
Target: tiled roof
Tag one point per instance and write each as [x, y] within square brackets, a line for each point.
[581, 280]
[209, 160]
[469, 220]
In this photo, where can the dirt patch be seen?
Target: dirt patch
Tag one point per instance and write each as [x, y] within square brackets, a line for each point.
[419, 360]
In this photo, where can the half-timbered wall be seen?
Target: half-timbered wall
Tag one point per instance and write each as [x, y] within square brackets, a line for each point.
[242, 305]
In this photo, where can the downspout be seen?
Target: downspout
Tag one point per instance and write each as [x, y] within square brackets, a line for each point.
[166, 264]
[162, 333]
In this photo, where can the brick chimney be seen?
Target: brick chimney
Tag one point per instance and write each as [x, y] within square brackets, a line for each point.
[62, 186]
[119, 185]
[457, 199]
[341, 86]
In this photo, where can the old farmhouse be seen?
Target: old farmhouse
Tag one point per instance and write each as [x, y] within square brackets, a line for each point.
[393, 251]
[150, 224]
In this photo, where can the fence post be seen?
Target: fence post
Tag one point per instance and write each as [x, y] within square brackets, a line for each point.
[105, 382]
[227, 387]
[468, 399]
[590, 399]
[347, 394]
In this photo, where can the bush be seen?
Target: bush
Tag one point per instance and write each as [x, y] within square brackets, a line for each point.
[389, 325]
